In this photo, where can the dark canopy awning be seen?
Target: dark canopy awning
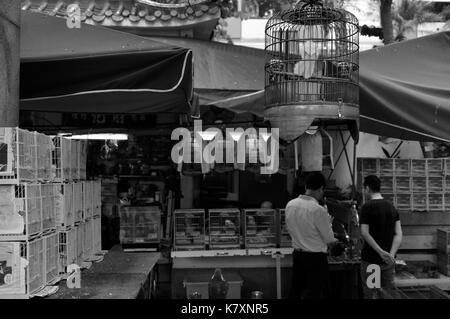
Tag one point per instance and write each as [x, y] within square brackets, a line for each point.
[404, 87]
[96, 69]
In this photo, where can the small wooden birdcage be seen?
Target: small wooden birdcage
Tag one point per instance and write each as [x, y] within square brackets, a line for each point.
[312, 67]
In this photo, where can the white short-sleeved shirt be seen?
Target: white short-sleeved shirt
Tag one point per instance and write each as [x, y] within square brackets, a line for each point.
[309, 224]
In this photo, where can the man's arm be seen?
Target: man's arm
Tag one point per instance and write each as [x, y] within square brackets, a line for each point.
[397, 238]
[372, 243]
[323, 224]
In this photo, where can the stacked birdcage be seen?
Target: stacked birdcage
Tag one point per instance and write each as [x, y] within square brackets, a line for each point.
[28, 266]
[88, 200]
[411, 184]
[224, 228]
[97, 198]
[39, 208]
[260, 228]
[189, 229]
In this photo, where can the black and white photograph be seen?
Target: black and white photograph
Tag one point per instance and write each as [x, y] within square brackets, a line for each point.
[260, 153]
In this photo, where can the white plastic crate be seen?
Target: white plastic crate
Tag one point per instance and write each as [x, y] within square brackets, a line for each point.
[18, 156]
[80, 243]
[88, 200]
[77, 201]
[419, 202]
[387, 184]
[51, 258]
[435, 166]
[87, 240]
[436, 202]
[96, 235]
[97, 198]
[402, 184]
[23, 265]
[67, 249]
[64, 205]
[418, 167]
[435, 184]
[75, 153]
[403, 201]
[402, 167]
[62, 151]
[43, 149]
[386, 166]
[48, 193]
[20, 211]
[82, 159]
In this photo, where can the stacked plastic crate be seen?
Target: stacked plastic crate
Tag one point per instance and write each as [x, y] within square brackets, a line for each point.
[78, 205]
[28, 245]
[443, 251]
[411, 184]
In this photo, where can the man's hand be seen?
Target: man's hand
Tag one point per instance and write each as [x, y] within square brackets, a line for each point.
[387, 257]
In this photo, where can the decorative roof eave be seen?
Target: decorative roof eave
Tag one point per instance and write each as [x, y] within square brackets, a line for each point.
[128, 13]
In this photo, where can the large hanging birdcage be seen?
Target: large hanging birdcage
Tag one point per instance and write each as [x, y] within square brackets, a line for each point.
[312, 67]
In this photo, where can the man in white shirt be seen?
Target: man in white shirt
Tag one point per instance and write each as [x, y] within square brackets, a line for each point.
[309, 225]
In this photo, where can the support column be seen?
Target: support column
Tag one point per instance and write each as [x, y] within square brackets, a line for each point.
[9, 62]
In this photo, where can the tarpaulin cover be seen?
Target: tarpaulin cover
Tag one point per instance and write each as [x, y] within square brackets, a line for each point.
[404, 87]
[96, 69]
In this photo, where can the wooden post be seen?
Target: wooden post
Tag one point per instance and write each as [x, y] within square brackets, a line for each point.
[9, 62]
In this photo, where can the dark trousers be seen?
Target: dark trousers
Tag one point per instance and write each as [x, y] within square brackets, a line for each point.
[310, 277]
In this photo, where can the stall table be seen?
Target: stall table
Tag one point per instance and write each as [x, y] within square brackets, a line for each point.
[257, 268]
[120, 275]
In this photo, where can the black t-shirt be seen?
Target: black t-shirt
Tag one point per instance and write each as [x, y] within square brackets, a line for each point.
[381, 217]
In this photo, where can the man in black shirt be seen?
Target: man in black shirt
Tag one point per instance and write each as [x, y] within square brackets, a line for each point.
[382, 233]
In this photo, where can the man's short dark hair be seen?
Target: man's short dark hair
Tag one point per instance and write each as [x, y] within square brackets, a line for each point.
[373, 182]
[314, 181]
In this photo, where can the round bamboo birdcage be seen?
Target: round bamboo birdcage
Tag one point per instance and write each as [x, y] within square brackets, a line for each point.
[312, 67]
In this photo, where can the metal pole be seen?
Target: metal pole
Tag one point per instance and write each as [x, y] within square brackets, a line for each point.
[278, 255]
[9, 62]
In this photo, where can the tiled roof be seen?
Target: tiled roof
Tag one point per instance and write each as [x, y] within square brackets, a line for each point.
[131, 12]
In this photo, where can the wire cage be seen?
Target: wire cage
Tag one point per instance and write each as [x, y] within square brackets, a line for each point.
[284, 239]
[49, 196]
[67, 249]
[51, 258]
[82, 159]
[80, 243]
[23, 265]
[96, 235]
[64, 206]
[260, 228]
[74, 159]
[97, 198]
[313, 62]
[224, 228]
[61, 160]
[87, 240]
[20, 211]
[43, 149]
[189, 229]
[88, 199]
[18, 156]
[140, 225]
[77, 201]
